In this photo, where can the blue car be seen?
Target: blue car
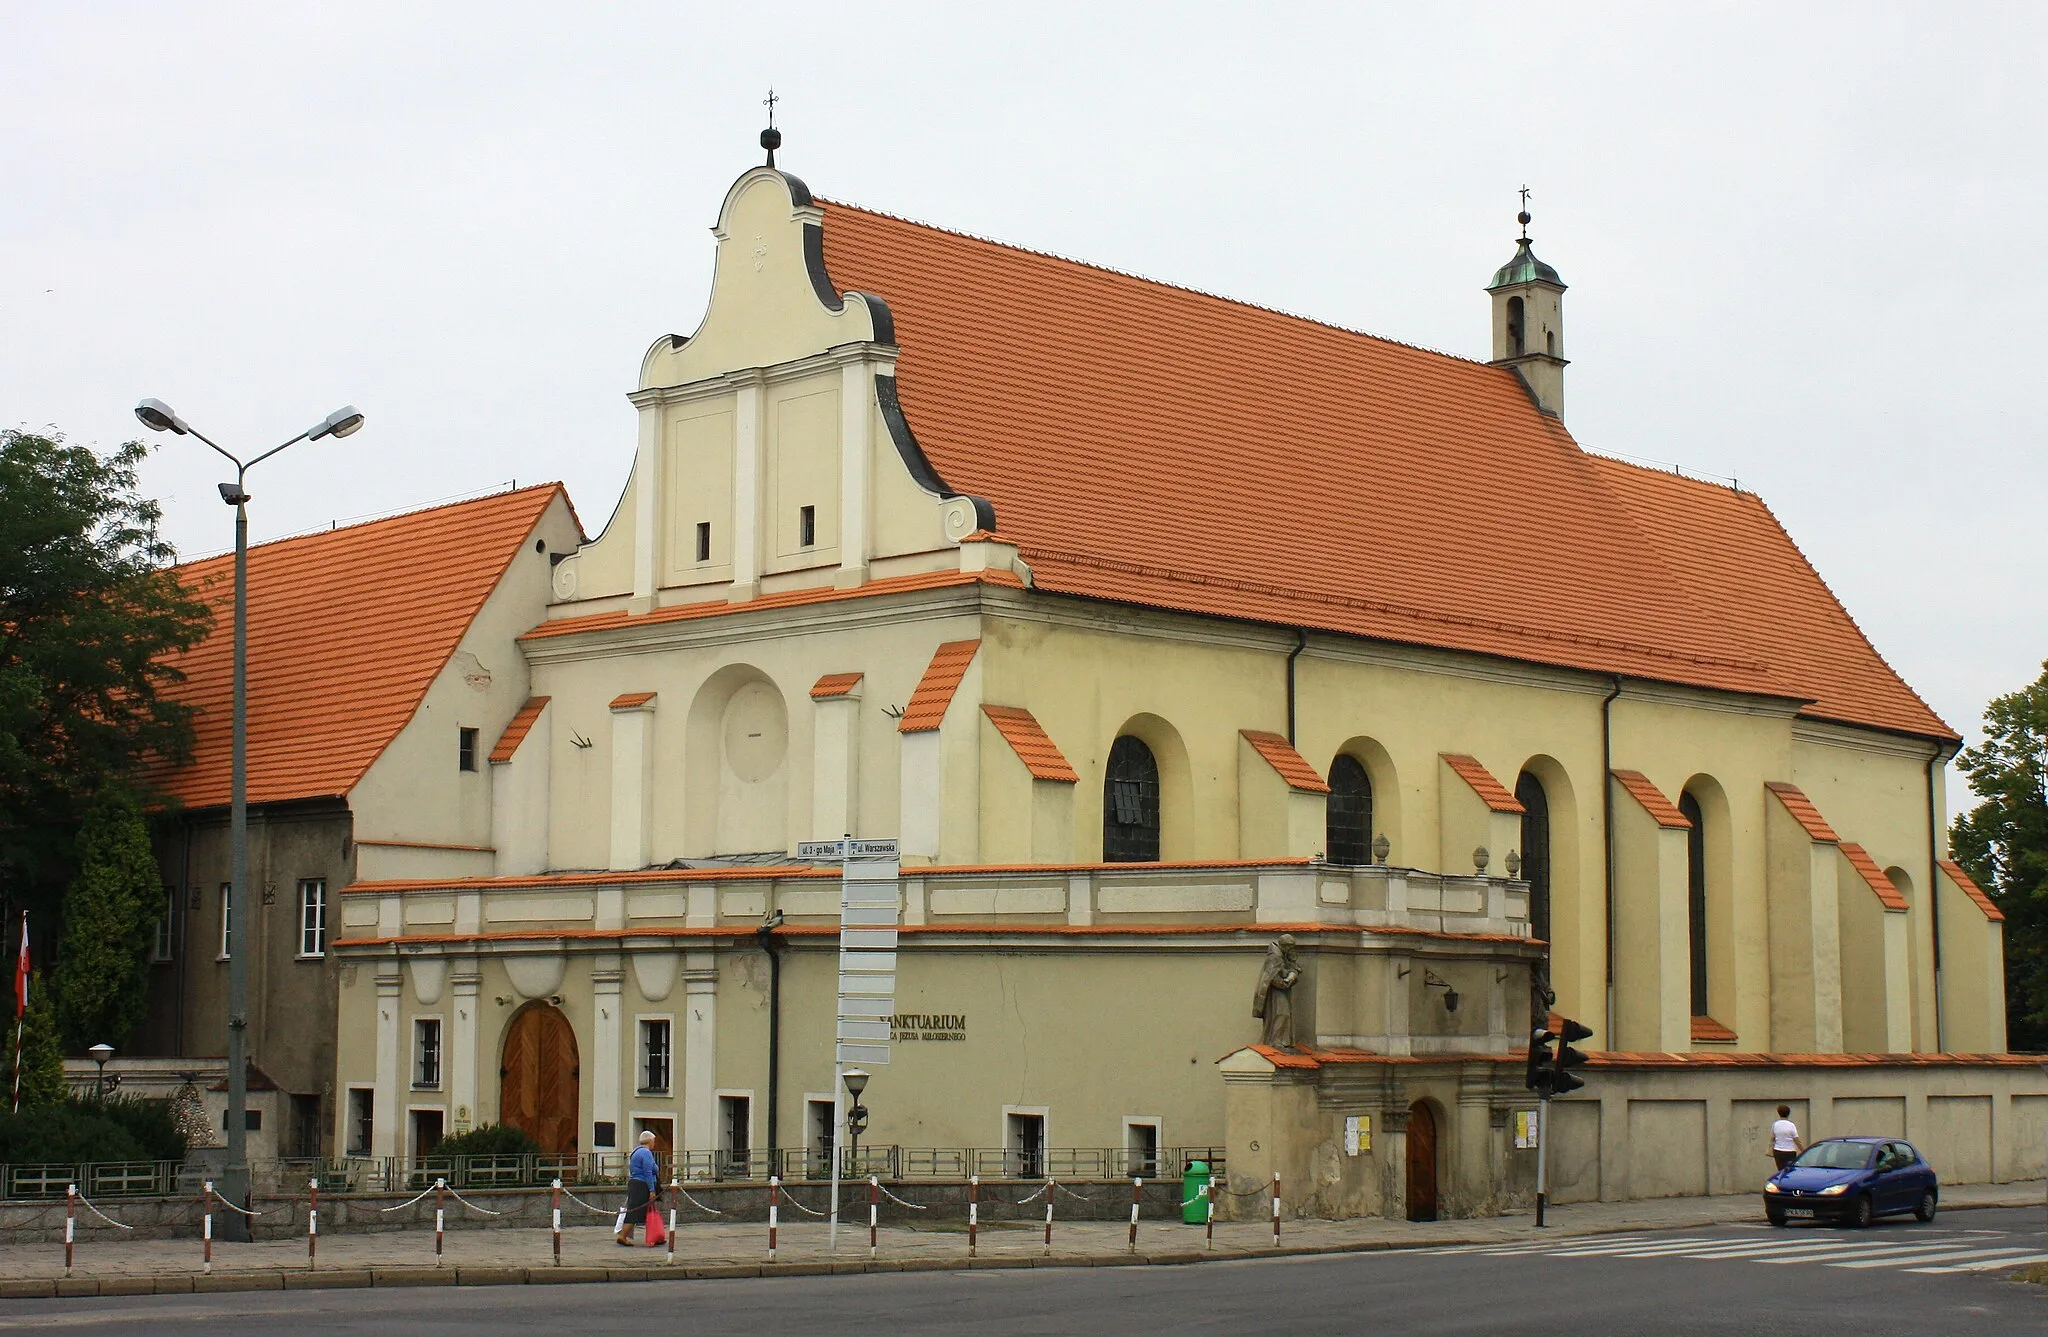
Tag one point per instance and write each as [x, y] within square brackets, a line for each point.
[1852, 1181]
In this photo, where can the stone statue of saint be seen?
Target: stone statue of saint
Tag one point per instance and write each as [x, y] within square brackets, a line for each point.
[1273, 1000]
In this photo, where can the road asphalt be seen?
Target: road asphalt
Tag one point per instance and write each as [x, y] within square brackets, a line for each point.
[1950, 1277]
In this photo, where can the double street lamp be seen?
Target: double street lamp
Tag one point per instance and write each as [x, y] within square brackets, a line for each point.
[160, 417]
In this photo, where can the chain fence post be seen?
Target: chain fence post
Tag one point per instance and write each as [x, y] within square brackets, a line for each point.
[440, 1216]
[555, 1218]
[206, 1226]
[1137, 1188]
[675, 1187]
[874, 1211]
[1276, 1209]
[774, 1207]
[312, 1224]
[973, 1211]
[70, 1219]
[1209, 1211]
[1050, 1189]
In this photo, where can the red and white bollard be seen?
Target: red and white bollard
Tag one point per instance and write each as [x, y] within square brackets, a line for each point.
[1276, 1209]
[1137, 1187]
[1049, 1191]
[675, 1188]
[874, 1211]
[1209, 1212]
[70, 1223]
[312, 1224]
[555, 1219]
[440, 1217]
[774, 1211]
[206, 1225]
[973, 1211]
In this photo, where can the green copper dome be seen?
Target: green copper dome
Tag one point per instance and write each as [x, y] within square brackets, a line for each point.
[1524, 268]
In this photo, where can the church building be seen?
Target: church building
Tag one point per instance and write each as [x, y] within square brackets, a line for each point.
[1155, 626]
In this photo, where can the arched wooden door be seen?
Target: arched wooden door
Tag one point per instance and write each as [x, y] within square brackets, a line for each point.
[1421, 1162]
[537, 1078]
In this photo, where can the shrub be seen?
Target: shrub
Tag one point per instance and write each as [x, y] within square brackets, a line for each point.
[490, 1139]
[152, 1123]
[65, 1134]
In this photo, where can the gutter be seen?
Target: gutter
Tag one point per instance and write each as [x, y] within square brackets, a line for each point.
[1934, 887]
[770, 945]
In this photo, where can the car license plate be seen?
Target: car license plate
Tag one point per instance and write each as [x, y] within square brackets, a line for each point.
[1799, 1211]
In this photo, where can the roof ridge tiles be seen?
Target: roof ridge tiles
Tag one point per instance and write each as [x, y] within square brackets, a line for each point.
[1169, 284]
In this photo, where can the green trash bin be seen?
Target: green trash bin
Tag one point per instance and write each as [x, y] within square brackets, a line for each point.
[1194, 1209]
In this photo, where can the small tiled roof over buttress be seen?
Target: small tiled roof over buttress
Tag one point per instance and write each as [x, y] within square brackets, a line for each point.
[347, 630]
[1153, 445]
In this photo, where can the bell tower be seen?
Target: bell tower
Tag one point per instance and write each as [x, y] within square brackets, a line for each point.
[1528, 321]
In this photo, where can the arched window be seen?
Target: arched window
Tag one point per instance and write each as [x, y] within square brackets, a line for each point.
[1514, 327]
[1349, 836]
[1696, 897]
[1535, 851]
[1130, 804]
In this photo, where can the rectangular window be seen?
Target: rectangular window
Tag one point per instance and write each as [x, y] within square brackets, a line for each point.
[362, 1119]
[312, 916]
[252, 1120]
[466, 751]
[166, 929]
[1026, 1145]
[704, 541]
[227, 917]
[735, 1134]
[824, 1120]
[807, 526]
[654, 1056]
[1141, 1148]
[426, 1052]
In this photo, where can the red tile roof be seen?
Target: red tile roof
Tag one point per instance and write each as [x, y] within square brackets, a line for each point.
[929, 580]
[1291, 765]
[1707, 1031]
[631, 700]
[1490, 790]
[1880, 885]
[1739, 561]
[935, 690]
[1040, 755]
[347, 630]
[834, 684]
[1803, 811]
[515, 732]
[1662, 809]
[1968, 886]
[1109, 418]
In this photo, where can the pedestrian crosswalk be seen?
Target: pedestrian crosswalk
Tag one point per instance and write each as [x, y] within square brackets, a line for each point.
[1908, 1250]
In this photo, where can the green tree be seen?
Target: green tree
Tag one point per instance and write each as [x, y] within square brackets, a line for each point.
[42, 1058]
[110, 913]
[2003, 843]
[90, 614]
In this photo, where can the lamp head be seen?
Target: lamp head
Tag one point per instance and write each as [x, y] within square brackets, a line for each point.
[158, 416]
[232, 494]
[856, 1081]
[101, 1052]
[1450, 1000]
[344, 421]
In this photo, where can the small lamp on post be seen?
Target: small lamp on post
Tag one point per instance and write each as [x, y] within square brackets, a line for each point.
[856, 1113]
[100, 1054]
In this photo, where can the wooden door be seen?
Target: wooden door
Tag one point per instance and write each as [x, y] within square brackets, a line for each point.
[537, 1080]
[1421, 1163]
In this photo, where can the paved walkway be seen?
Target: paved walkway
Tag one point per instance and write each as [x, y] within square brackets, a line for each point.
[521, 1255]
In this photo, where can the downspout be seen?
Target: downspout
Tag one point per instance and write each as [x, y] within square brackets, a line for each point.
[772, 945]
[1607, 839]
[1300, 644]
[1934, 889]
[181, 916]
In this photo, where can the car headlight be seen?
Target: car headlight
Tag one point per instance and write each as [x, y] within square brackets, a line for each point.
[1771, 1186]
[1834, 1190]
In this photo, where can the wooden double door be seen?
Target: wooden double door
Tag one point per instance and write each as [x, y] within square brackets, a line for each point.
[1421, 1162]
[539, 1078]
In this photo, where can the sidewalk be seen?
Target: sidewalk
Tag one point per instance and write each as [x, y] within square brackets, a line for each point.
[514, 1256]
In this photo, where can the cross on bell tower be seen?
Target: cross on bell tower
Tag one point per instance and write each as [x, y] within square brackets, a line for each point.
[1528, 320]
[771, 138]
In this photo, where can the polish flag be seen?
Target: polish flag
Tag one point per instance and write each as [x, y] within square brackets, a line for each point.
[21, 974]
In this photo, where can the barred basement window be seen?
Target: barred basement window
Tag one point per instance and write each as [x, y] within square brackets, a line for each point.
[655, 1056]
[1348, 833]
[426, 1046]
[1130, 804]
[807, 526]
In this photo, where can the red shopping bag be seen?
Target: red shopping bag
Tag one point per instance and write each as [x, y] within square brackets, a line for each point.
[656, 1233]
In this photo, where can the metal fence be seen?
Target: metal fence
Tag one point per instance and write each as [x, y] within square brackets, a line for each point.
[390, 1174]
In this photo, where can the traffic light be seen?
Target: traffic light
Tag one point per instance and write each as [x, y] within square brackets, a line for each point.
[1562, 1078]
[1540, 1073]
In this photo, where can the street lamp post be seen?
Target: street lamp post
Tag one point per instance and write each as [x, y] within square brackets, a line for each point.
[856, 1115]
[159, 417]
[100, 1054]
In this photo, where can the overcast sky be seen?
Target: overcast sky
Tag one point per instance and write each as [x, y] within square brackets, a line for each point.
[1803, 241]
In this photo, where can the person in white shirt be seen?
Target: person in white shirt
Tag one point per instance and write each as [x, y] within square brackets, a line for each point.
[1785, 1143]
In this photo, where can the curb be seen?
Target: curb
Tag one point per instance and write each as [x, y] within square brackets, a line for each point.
[45, 1288]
